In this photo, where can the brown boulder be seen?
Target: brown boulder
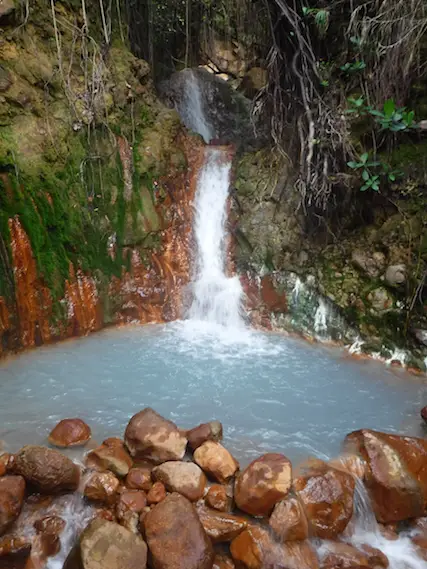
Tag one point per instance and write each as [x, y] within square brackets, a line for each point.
[12, 492]
[156, 494]
[48, 470]
[175, 536]
[205, 432]
[70, 432]
[150, 436]
[107, 545]
[50, 524]
[14, 552]
[288, 520]
[396, 473]
[48, 542]
[327, 497]
[338, 555]
[102, 487]
[217, 498]
[216, 461]
[223, 561]
[139, 478]
[111, 455]
[221, 527]
[186, 478]
[263, 483]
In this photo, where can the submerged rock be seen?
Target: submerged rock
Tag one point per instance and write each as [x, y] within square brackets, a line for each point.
[263, 483]
[48, 470]
[150, 436]
[186, 478]
[70, 432]
[14, 552]
[175, 536]
[12, 492]
[211, 431]
[216, 461]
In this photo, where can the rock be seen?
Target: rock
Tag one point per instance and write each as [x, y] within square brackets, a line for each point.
[102, 487]
[111, 455]
[327, 497]
[254, 80]
[420, 335]
[223, 561]
[12, 492]
[211, 431]
[350, 463]
[381, 300]
[186, 478]
[217, 498]
[129, 507]
[6, 463]
[337, 555]
[156, 494]
[5, 75]
[288, 520]
[396, 473]
[53, 525]
[373, 265]
[70, 432]
[263, 483]
[139, 478]
[254, 548]
[376, 558]
[107, 545]
[150, 436]
[7, 7]
[395, 275]
[274, 300]
[48, 470]
[424, 413]
[14, 552]
[221, 527]
[216, 461]
[175, 536]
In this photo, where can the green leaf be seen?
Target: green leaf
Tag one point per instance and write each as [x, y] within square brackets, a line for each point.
[392, 177]
[305, 10]
[354, 165]
[364, 187]
[389, 107]
[375, 187]
[364, 157]
[365, 175]
[376, 113]
[373, 164]
[375, 178]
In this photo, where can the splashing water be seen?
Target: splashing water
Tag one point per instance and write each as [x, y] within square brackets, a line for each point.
[190, 107]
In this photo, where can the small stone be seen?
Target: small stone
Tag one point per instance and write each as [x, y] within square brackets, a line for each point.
[139, 478]
[102, 487]
[70, 432]
[14, 552]
[217, 498]
[206, 432]
[111, 455]
[395, 275]
[223, 561]
[288, 520]
[186, 478]
[130, 505]
[221, 527]
[216, 461]
[381, 300]
[156, 494]
[12, 492]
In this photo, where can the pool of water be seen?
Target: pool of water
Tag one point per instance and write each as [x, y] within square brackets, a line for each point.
[272, 393]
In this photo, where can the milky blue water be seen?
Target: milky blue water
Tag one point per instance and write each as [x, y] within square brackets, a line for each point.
[272, 393]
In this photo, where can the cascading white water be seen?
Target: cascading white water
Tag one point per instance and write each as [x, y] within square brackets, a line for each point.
[216, 297]
[190, 107]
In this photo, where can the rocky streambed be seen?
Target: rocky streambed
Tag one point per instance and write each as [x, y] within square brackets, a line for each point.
[168, 498]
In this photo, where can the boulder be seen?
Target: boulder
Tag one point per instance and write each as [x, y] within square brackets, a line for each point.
[216, 461]
[48, 470]
[53, 525]
[6, 462]
[186, 478]
[111, 455]
[7, 7]
[139, 478]
[70, 432]
[102, 487]
[130, 505]
[107, 545]
[373, 265]
[156, 494]
[211, 431]
[223, 561]
[396, 473]
[263, 483]
[395, 275]
[288, 520]
[221, 527]
[175, 536]
[150, 436]
[14, 552]
[327, 497]
[338, 555]
[12, 493]
[217, 498]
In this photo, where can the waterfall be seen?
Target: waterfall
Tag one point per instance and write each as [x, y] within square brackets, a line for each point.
[216, 297]
[190, 107]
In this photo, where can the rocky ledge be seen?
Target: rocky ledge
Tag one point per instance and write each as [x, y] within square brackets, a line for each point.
[167, 498]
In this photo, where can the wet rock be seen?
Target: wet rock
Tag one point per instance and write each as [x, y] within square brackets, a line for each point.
[70, 432]
[156, 494]
[288, 520]
[150, 436]
[223, 561]
[274, 300]
[111, 455]
[388, 531]
[337, 555]
[373, 265]
[139, 478]
[48, 470]
[263, 483]
[221, 527]
[420, 542]
[186, 478]
[381, 300]
[396, 473]
[217, 498]
[211, 431]
[6, 463]
[327, 497]
[216, 461]
[107, 545]
[424, 413]
[395, 275]
[129, 507]
[175, 536]
[53, 525]
[350, 463]
[14, 552]
[12, 492]
[102, 487]
[376, 558]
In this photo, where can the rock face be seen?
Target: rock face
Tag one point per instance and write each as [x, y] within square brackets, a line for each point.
[263, 483]
[211, 431]
[327, 497]
[186, 478]
[107, 545]
[70, 432]
[288, 520]
[102, 487]
[216, 461]
[221, 527]
[175, 536]
[150, 436]
[111, 455]
[12, 491]
[48, 470]
[396, 473]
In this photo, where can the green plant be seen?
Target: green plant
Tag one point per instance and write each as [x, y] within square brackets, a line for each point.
[371, 181]
[321, 18]
[353, 67]
[392, 118]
